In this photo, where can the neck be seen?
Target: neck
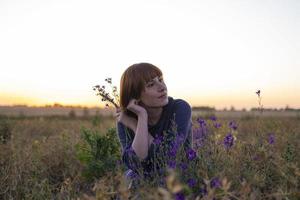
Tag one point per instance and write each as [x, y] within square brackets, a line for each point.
[154, 114]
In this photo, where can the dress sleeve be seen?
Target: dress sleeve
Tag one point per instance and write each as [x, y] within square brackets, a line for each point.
[129, 157]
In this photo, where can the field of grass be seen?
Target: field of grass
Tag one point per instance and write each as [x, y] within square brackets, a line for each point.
[39, 160]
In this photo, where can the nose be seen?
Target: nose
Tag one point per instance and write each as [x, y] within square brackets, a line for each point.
[162, 87]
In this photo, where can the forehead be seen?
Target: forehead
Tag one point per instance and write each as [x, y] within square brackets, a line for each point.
[155, 78]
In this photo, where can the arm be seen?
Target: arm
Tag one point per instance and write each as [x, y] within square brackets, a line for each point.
[135, 142]
[132, 123]
[140, 142]
[129, 157]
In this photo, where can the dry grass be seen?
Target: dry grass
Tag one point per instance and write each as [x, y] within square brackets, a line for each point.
[40, 160]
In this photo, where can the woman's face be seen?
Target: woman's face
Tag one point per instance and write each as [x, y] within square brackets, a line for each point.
[155, 93]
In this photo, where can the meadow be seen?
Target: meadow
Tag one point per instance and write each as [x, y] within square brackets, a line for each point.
[248, 156]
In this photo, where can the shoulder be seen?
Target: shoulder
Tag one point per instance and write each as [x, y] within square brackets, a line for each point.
[182, 109]
[122, 128]
[181, 105]
[182, 115]
[120, 125]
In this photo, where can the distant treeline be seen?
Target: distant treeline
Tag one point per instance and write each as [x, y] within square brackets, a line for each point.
[55, 105]
[212, 109]
[276, 109]
[203, 108]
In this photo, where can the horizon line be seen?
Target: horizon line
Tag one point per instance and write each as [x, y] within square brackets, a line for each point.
[231, 107]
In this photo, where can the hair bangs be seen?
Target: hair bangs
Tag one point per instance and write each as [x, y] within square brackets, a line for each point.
[149, 73]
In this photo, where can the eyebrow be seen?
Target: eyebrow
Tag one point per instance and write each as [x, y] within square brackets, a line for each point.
[155, 77]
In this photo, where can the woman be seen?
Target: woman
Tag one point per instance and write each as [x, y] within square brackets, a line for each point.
[145, 123]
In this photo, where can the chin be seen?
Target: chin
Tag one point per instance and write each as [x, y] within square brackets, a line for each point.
[165, 102]
[159, 104]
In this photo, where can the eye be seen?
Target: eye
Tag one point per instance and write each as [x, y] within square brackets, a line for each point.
[150, 85]
[160, 79]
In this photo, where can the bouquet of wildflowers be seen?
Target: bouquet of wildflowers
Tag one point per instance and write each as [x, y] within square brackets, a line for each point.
[106, 96]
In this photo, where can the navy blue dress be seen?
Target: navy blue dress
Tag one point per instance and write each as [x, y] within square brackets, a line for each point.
[177, 113]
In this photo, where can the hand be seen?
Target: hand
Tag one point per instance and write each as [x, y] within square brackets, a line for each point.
[134, 106]
[123, 118]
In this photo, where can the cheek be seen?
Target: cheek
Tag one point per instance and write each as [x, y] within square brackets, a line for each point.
[149, 98]
[149, 93]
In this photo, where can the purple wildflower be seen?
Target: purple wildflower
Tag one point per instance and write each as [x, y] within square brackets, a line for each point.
[191, 182]
[203, 191]
[131, 174]
[198, 144]
[175, 146]
[228, 140]
[215, 183]
[199, 136]
[183, 166]
[271, 139]
[201, 122]
[199, 133]
[172, 164]
[179, 196]
[172, 152]
[158, 139]
[233, 125]
[191, 154]
[217, 125]
[256, 157]
[213, 118]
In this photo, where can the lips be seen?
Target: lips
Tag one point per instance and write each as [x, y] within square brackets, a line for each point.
[162, 96]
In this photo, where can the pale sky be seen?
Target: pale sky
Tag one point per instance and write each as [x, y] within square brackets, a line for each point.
[212, 53]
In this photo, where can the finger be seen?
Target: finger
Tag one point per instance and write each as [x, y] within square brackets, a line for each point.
[132, 101]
